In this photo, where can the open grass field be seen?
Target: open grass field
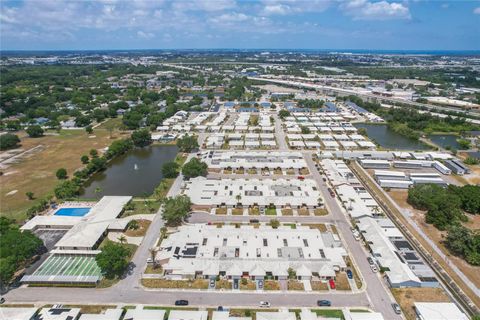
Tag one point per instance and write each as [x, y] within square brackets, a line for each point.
[36, 173]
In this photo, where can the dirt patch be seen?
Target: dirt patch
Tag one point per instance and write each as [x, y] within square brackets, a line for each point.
[271, 285]
[175, 284]
[140, 231]
[407, 296]
[287, 212]
[221, 211]
[341, 281]
[319, 285]
[295, 285]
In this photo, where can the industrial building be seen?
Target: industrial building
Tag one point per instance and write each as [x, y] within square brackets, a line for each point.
[374, 164]
[270, 160]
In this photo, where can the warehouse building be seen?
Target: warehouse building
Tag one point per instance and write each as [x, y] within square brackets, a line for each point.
[374, 164]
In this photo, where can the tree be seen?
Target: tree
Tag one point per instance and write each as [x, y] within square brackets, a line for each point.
[122, 239]
[176, 209]
[61, 174]
[464, 144]
[305, 130]
[194, 168]
[133, 225]
[30, 195]
[170, 169]
[153, 254]
[112, 261]
[187, 143]
[84, 159]
[34, 131]
[66, 189]
[274, 223]
[9, 141]
[283, 114]
[89, 129]
[93, 153]
[141, 138]
[291, 273]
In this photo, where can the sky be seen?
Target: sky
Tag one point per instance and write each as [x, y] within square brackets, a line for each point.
[268, 24]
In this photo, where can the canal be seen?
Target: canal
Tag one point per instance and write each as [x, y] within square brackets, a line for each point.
[135, 173]
[389, 139]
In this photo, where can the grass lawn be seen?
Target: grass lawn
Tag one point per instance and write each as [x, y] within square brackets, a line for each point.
[407, 296]
[271, 211]
[277, 171]
[253, 211]
[252, 171]
[295, 285]
[223, 284]
[319, 226]
[105, 283]
[271, 285]
[303, 212]
[221, 211]
[237, 211]
[290, 172]
[94, 309]
[304, 171]
[249, 285]
[142, 229]
[341, 281]
[175, 284]
[240, 171]
[329, 313]
[151, 270]
[36, 173]
[287, 212]
[318, 285]
[142, 206]
[320, 212]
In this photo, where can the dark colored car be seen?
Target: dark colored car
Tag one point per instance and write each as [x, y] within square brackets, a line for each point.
[324, 303]
[254, 221]
[181, 303]
[349, 274]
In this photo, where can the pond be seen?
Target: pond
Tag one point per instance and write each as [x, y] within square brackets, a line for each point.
[389, 139]
[445, 140]
[135, 173]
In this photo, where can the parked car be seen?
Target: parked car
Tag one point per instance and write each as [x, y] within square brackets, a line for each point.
[254, 221]
[181, 303]
[374, 268]
[2, 300]
[349, 274]
[331, 283]
[332, 194]
[301, 178]
[220, 308]
[370, 261]
[264, 304]
[396, 308]
[212, 282]
[324, 303]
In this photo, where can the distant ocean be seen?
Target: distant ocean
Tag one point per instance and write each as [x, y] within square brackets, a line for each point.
[227, 50]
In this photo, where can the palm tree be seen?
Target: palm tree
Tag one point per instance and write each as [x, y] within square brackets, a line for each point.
[376, 209]
[122, 239]
[238, 197]
[97, 191]
[153, 253]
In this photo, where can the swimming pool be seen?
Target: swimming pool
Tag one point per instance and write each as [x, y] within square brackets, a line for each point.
[72, 212]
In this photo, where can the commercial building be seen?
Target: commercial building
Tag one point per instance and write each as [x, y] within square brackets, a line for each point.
[205, 251]
[18, 313]
[374, 164]
[278, 193]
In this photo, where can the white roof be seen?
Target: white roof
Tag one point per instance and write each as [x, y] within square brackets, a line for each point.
[187, 315]
[225, 315]
[352, 315]
[59, 313]
[17, 313]
[144, 314]
[109, 314]
[86, 233]
[276, 316]
[439, 311]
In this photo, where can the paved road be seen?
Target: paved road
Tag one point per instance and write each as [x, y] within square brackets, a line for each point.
[41, 296]
[204, 217]
[279, 133]
[379, 296]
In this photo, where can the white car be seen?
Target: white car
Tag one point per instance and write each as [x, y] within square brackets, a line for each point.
[264, 304]
[374, 268]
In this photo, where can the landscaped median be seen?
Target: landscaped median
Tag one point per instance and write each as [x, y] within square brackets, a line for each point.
[175, 284]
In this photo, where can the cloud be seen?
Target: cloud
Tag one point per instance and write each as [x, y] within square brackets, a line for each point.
[476, 10]
[145, 35]
[381, 10]
[285, 7]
